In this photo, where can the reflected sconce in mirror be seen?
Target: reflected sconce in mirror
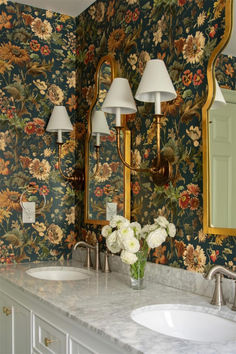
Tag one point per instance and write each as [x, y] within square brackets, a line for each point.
[155, 86]
[99, 128]
[219, 100]
[59, 122]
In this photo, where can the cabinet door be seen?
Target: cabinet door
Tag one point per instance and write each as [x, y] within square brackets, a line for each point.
[5, 325]
[78, 348]
[22, 329]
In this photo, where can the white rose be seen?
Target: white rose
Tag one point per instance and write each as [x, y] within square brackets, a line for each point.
[131, 244]
[106, 231]
[126, 231]
[162, 221]
[156, 238]
[171, 230]
[113, 242]
[128, 258]
[145, 231]
[119, 221]
[137, 228]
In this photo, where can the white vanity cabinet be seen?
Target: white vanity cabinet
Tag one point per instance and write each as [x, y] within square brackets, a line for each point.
[5, 325]
[30, 325]
[15, 327]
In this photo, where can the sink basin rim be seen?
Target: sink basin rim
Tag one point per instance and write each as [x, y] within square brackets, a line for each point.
[58, 273]
[202, 311]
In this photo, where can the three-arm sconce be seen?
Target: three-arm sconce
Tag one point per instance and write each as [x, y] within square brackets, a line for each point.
[155, 86]
[59, 122]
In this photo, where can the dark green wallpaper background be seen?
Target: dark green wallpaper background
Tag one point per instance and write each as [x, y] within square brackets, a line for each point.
[37, 71]
[40, 53]
[183, 34]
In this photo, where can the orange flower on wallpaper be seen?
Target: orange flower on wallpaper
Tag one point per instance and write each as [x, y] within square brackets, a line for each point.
[4, 170]
[159, 255]
[4, 66]
[71, 239]
[180, 248]
[110, 9]
[13, 54]
[115, 39]
[28, 19]
[4, 20]
[72, 102]
[10, 200]
[229, 70]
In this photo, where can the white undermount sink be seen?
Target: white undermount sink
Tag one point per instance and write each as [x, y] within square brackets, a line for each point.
[59, 273]
[186, 322]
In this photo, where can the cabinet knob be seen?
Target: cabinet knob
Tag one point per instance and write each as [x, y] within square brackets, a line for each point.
[48, 341]
[6, 310]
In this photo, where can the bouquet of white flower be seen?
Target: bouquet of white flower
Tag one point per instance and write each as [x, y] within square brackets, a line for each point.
[134, 242]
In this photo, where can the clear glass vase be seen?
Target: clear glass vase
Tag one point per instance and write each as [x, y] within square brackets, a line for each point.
[137, 272]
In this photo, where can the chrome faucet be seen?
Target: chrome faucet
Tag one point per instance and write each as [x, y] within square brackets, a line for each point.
[88, 263]
[218, 272]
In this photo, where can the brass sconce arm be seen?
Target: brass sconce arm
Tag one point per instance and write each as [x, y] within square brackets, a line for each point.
[79, 177]
[118, 146]
[160, 169]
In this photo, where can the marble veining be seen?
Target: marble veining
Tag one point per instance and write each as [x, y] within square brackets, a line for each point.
[103, 303]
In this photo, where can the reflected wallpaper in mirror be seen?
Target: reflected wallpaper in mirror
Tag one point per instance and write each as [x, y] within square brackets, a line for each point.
[222, 147]
[107, 184]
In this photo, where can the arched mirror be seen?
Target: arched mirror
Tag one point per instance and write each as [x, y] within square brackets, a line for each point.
[107, 181]
[219, 135]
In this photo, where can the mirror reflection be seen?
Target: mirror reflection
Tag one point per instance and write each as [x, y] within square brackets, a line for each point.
[106, 180]
[222, 141]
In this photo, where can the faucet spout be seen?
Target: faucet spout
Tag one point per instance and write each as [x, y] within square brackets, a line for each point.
[97, 264]
[221, 270]
[218, 271]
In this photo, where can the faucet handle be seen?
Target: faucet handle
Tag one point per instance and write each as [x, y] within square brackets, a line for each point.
[218, 297]
[88, 262]
[97, 265]
[106, 268]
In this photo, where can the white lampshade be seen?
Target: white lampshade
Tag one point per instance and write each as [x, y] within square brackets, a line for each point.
[155, 85]
[59, 122]
[219, 100]
[99, 123]
[119, 99]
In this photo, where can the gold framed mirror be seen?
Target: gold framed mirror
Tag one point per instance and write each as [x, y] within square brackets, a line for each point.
[107, 181]
[217, 134]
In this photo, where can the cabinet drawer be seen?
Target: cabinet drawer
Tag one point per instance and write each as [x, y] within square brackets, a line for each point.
[48, 339]
[78, 348]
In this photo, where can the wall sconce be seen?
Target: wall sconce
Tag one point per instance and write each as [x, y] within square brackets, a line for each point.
[155, 86]
[99, 128]
[59, 122]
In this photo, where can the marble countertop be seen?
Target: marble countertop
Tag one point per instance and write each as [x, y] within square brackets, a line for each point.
[103, 303]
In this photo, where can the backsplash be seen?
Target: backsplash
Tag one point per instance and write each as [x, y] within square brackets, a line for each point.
[37, 71]
[183, 34]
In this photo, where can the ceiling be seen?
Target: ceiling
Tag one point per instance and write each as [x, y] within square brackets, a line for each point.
[67, 7]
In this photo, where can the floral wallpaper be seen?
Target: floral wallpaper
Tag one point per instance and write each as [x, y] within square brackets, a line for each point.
[37, 71]
[184, 34]
[225, 70]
